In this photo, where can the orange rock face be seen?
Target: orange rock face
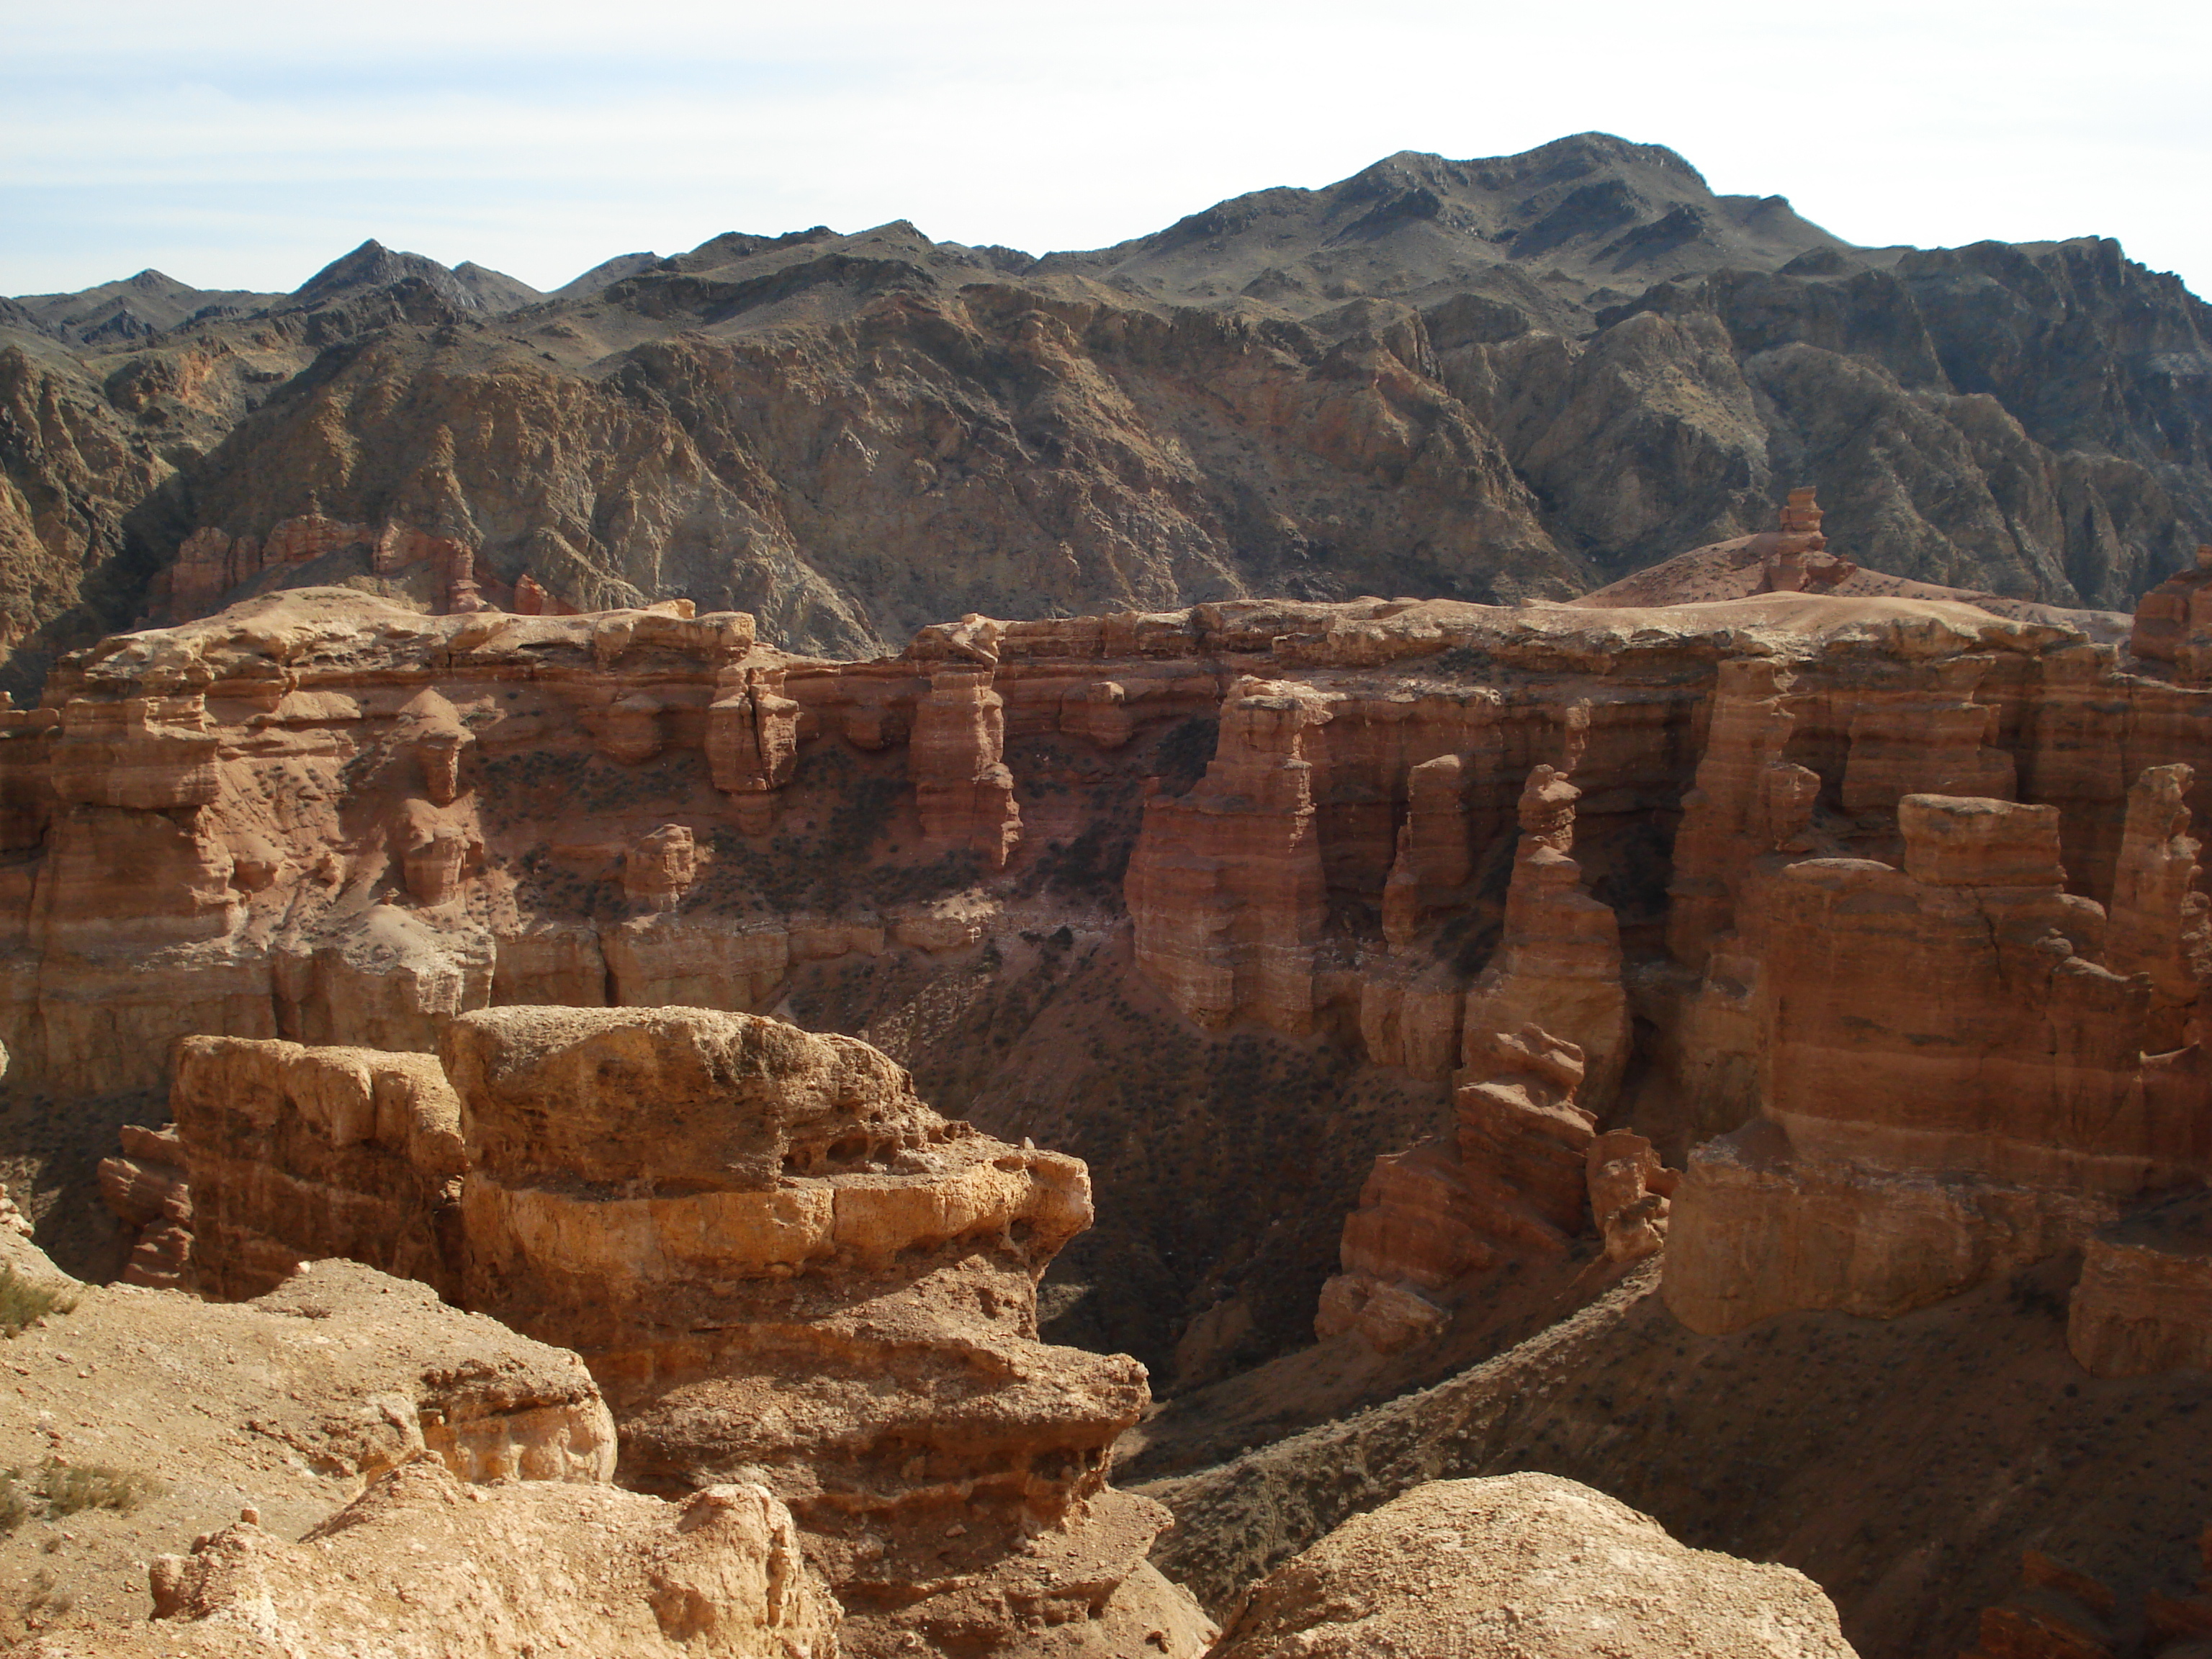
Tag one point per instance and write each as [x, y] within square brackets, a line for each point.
[964, 793]
[773, 1257]
[299, 1153]
[1227, 888]
[1520, 1179]
[1909, 1145]
[2144, 1300]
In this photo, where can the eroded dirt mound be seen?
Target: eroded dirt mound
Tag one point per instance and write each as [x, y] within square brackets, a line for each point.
[1525, 1566]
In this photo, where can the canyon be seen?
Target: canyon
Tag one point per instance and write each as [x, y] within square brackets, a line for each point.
[781, 955]
[1406, 989]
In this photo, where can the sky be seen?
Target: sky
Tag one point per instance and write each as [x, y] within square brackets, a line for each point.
[241, 144]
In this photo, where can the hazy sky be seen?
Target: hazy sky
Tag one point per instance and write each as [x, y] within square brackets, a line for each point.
[247, 144]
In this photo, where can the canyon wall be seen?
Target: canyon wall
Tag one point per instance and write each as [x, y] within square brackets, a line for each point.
[1694, 841]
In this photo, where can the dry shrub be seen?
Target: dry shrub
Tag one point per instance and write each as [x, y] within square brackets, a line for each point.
[23, 1302]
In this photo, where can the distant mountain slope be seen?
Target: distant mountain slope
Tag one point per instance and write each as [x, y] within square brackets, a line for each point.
[1530, 375]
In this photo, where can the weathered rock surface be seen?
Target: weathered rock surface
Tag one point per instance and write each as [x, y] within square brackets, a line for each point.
[420, 1564]
[2144, 1300]
[1524, 1565]
[1523, 1176]
[1227, 888]
[1908, 1147]
[776, 1259]
[296, 1153]
[287, 1403]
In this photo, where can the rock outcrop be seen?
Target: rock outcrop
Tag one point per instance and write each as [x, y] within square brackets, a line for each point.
[1520, 1180]
[2144, 1300]
[773, 1258]
[286, 1404]
[1524, 1565]
[420, 1564]
[963, 792]
[147, 1186]
[1560, 961]
[1908, 1147]
[1226, 889]
[298, 1153]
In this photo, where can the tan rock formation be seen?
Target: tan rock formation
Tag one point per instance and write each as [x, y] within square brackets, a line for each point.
[1560, 962]
[2158, 923]
[963, 791]
[1936, 739]
[2144, 1300]
[659, 869]
[1226, 888]
[1529, 1565]
[1516, 1182]
[433, 728]
[286, 1404]
[774, 1256]
[149, 1190]
[421, 1566]
[1749, 801]
[2173, 622]
[435, 849]
[386, 978]
[148, 754]
[752, 743]
[1911, 1145]
[1629, 1190]
[296, 1153]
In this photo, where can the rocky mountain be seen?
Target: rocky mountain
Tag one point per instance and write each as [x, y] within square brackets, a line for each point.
[1478, 379]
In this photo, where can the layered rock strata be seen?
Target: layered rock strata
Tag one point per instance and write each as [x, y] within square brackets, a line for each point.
[773, 1258]
[963, 790]
[2144, 1300]
[362, 821]
[298, 1153]
[1560, 961]
[1908, 1146]
[1522, 1177]
[1226, 886]
[287, 1405]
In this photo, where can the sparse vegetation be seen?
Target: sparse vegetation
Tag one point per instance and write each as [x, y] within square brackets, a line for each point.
[55, 1490]
[23, 1302]
[69, 1488]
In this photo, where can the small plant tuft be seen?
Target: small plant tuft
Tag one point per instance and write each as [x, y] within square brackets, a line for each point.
[69, 1488]
[25, 1302]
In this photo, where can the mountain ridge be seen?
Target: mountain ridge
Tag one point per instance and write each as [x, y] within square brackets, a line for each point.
[1518, 376]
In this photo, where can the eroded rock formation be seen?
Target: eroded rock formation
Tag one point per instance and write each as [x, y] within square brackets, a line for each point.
[1908, 1145]
[1522, 1177]
[1226, 887]
[2144, 1300]
[773, 1258]
[512, 1571]
[1524, 1565]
